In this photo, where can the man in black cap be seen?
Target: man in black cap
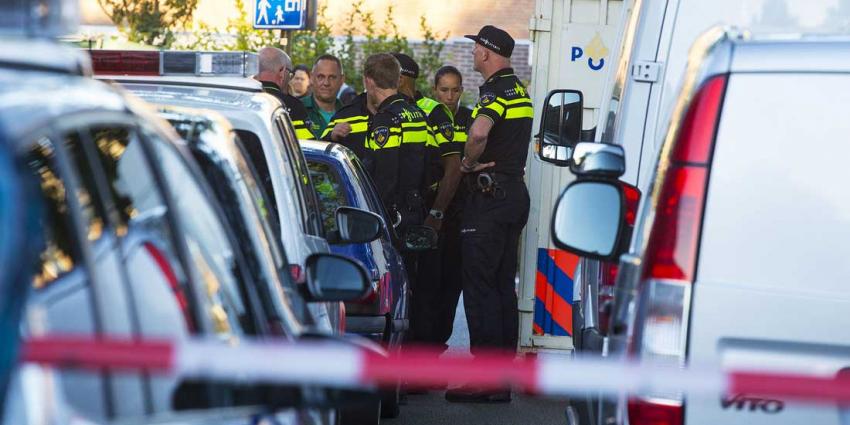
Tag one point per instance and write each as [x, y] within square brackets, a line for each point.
[496, 210]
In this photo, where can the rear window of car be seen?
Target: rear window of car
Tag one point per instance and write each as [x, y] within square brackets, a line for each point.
[777, 211]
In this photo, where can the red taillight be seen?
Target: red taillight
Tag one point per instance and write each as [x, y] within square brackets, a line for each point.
[171, 277]
[632, 198]
[671, 252]
[297, 273]
[647, 412]
[112, 62]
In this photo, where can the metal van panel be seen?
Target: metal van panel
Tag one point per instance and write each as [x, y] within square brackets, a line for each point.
[772, 267]
[629, 124]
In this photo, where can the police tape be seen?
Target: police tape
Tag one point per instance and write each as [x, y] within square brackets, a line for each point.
[336, 364]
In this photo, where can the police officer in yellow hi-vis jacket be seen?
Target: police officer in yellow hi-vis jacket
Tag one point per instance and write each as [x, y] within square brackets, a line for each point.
[274, 74]
[395, 142]
[496, 210]
[438, 282]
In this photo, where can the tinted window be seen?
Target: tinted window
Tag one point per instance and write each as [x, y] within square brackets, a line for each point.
[302, 173]
[252, 148]
[60, 254]
[94, 217]
[330, 190]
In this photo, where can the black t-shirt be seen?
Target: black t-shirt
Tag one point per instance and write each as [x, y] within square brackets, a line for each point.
[297, 113]
[505, 101]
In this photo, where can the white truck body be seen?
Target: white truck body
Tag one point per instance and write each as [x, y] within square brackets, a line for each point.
[629, 99]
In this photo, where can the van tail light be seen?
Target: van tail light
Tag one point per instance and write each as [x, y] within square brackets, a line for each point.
[608, 270]
[660, 330]
[176, 288]
[654, 412]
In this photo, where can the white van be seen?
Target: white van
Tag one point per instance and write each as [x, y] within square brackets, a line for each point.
[736, 259]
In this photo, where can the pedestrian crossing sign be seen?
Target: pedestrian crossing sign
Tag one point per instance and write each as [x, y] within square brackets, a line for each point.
[280, 14]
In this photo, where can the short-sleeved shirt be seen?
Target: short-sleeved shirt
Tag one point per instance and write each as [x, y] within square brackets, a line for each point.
[397, 138]
[504, 100]
[319, 118]
[445, 140]
[357, 115]
[297, 114]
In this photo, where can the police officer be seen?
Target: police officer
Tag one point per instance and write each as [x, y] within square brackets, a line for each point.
[496, 210]
[435, 300]
[274, 73]
[395, 141]
[349, 126]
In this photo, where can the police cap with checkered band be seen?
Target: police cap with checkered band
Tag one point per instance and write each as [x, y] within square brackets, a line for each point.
[494, 39]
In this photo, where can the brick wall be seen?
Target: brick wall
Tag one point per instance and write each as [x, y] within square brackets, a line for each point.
[458, 52]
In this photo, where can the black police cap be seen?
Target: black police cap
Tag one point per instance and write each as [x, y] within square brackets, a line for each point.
[495, 39]
[409, 67]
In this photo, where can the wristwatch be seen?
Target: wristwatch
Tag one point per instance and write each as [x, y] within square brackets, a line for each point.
[436, 214]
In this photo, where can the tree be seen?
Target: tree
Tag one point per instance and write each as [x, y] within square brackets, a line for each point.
[308, 45]
[150, 21]
[429, 57]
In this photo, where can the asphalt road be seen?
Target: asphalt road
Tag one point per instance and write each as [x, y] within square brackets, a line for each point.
[432, 408]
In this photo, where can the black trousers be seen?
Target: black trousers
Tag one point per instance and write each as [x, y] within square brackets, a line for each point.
[490, 242]
[438, 286]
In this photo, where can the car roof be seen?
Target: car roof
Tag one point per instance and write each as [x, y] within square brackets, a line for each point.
[42, 54]
[229, 83]
[334, 150]
[32, 100]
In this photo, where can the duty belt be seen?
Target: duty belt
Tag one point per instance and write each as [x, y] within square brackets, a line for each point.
[490, 183]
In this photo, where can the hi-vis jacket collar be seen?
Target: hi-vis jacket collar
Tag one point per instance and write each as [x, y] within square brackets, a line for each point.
[268, 85]
[389, 101]
[505, 72]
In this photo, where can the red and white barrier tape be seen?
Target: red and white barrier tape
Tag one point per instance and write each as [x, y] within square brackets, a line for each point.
[342, 365]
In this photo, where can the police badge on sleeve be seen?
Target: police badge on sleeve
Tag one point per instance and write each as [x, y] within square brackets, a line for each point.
[447, 130]
[381, 135]
[486, 99]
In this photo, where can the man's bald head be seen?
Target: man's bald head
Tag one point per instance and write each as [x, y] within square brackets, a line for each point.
[275, 66]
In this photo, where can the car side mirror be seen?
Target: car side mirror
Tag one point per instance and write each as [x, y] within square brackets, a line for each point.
[334, 278]
[598, 160]
[588, 219]
[560, 126]
[420, 238]
[356, 226]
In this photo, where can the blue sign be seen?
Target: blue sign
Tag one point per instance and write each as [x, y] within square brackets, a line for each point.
[280, 14]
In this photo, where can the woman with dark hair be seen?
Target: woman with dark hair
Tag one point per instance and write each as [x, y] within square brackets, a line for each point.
[299, 85]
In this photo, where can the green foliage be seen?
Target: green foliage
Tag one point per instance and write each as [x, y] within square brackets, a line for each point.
[363, 35]
[308, 45]
[377, 39]
[429, 57]
[150, 21]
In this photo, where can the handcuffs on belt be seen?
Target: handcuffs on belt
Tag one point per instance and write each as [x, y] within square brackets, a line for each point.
[487, 184]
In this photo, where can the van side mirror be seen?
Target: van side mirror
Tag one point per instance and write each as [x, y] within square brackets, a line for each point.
[334, 278]
[560, 126]
[355, 226]
[598, 160]
[588, 219]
